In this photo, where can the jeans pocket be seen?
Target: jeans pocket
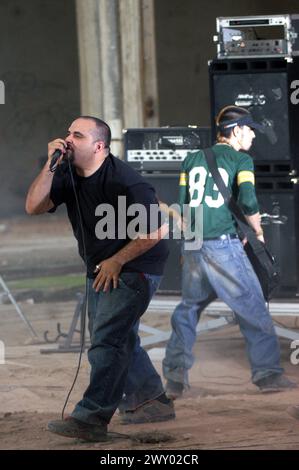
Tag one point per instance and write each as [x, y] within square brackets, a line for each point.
[228, 276]
[154, 282]
[131, 281]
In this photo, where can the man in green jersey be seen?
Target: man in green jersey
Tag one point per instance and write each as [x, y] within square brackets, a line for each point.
[220, 267]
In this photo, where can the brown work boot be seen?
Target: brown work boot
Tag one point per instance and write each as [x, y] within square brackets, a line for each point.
[150, 412]
[71, 427]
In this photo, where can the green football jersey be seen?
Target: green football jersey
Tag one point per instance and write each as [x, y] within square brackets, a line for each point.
[198, 189]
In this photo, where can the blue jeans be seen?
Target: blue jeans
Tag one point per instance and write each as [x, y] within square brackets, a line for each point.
[143, 383]
[115, 355]
[221, 269]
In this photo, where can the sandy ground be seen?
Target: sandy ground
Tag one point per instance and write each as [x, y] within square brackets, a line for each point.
[222, 410]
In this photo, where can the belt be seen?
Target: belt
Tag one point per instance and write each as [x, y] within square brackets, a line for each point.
[225, 236]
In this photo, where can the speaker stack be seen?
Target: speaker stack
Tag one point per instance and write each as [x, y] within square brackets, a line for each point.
[157, 154]
[258, 68]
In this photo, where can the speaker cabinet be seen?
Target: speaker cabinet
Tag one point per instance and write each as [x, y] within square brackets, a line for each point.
[266, 88]
[278, 201]
[167, 188]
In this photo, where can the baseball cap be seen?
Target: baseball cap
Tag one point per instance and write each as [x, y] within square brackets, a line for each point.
[246, 120]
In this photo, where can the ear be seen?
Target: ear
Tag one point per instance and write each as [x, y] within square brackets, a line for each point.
[100, 146]
[236, 131]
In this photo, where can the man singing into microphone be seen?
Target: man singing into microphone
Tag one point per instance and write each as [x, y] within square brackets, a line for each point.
[122, 275]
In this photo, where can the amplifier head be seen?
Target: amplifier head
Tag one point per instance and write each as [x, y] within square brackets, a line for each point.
[163, 148]
[253, 36]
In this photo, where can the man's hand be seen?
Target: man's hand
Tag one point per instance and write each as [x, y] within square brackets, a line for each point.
[181, 224]
[255, 223]
[259, 237]
[108, 271]
[38, 198]
[57, 144]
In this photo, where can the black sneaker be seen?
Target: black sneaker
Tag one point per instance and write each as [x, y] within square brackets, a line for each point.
[71, 427]
[174, 390]
[275, 383]
[151, 412]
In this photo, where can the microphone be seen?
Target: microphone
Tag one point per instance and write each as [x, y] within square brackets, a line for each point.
[56, 155]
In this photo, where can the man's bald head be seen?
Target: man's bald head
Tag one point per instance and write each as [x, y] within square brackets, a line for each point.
[102, 131]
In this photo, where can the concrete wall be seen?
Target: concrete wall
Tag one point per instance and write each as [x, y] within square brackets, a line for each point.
[39, 66]
[184, 32]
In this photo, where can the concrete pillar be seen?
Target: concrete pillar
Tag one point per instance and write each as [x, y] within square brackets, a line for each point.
[118, 63]
[2, 92]
[88, 32]
[99, 54]
[110, 71]
[151, 101]
[132, 62]
[139, 68]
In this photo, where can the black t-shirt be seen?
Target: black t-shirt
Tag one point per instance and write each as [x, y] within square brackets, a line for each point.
[114, 178]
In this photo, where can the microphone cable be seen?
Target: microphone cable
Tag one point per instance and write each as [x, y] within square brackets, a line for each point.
[84, 306]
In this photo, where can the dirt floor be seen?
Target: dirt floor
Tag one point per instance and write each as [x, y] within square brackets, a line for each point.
[222, 410]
